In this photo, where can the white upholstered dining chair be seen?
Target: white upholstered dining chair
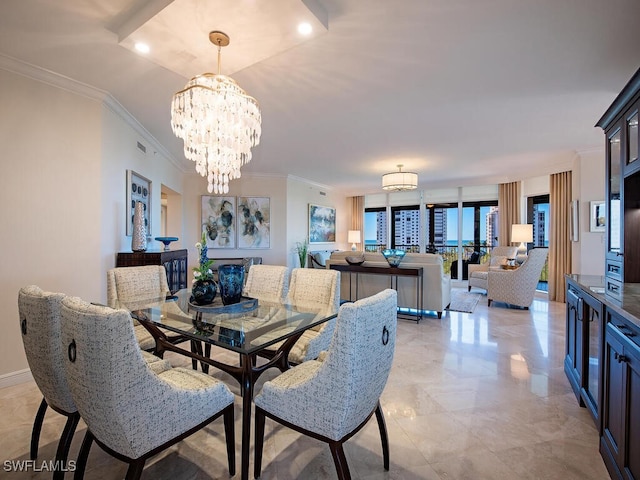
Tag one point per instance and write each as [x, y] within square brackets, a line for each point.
[332, 398]
[267, 282]
[131, 410]
[39, 314]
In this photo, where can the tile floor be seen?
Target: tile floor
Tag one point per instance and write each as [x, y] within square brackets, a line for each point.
[472, 396]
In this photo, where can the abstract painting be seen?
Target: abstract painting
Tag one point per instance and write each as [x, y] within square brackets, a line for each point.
[218, 221]
[322, 224]
[254, 220]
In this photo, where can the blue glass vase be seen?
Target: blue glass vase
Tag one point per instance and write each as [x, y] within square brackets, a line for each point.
[203, 292]
[230, 282]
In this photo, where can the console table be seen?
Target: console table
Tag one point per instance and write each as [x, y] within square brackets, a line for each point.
[174, 261]
[393, 273]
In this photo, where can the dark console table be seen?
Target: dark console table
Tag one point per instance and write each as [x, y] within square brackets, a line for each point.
[174, 261]
[393, 273]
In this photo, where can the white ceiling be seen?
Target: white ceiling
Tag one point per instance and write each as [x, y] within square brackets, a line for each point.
[462, 92]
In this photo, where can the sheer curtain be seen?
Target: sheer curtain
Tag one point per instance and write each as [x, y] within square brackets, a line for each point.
[559, 234]
[508, 210]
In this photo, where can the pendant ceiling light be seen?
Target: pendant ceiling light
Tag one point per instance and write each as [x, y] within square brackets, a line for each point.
[400, 180]
[218, 122]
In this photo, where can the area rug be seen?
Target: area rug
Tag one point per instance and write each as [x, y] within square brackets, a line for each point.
[462, 301]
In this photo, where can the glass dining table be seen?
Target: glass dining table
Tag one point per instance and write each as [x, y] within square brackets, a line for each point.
[247, 328]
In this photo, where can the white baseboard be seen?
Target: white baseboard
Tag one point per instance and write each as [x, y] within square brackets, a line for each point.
[15, 378]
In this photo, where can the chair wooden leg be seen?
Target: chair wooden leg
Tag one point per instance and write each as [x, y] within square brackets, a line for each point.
[83, 454]
[64, 444]
[489, 302]
[134, 472]
[382, 426]
[340, 460]
[37, 427]
[230, 436]
[259, 442]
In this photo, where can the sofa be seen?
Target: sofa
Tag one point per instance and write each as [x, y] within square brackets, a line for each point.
[436, 285]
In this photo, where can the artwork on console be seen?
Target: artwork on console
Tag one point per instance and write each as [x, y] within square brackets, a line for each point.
[254, 220]
[598, 216]
[322, 224]
[218, 221]
[138, 190]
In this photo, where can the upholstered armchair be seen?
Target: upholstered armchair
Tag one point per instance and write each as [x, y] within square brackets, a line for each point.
[517, 287]
[39, 314]
[478, 273]
[332, 398]
[131, 411]
[267, 282]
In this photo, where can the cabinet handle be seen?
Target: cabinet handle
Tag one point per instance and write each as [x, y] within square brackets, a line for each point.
[619, 254]
[620, 358]
[629, 334]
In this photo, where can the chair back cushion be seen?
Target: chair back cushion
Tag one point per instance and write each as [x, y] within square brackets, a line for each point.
[39, 314]
[267, 282]
[314, 286]
[136, 283]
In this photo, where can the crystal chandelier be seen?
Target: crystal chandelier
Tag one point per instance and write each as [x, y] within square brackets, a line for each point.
[400, 181]
[218, 122]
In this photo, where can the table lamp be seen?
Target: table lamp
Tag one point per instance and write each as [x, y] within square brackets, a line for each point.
[353, 237]
[522, 233]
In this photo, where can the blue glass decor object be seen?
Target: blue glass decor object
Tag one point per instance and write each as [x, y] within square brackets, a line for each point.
[203, 292]
[393, 256]
[231, 281]
[166, 241]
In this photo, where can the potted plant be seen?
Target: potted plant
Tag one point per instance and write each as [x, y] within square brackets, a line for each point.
[204, 287]
[301, 249]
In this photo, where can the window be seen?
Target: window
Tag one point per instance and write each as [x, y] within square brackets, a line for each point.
[405, 228]
[375, 229]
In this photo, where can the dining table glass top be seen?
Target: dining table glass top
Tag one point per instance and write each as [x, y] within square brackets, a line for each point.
[248, 330]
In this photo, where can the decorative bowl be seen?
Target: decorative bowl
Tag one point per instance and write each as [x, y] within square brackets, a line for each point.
[393, 256]
[166, 241]
[355, 259]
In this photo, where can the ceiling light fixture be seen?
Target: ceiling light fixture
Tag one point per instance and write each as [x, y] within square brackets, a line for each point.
[400, 181]
[142, 47]
[305, 28]
[219, 123]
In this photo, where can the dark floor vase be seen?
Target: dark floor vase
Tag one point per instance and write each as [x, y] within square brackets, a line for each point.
[204, 292]
[230, 281]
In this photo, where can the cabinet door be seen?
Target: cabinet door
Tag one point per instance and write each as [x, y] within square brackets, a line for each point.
[614, 206]
[631, 163]
[573, 361]
[613, 404]
[592, 319]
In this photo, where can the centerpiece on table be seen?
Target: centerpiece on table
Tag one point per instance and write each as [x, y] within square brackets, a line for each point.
[204, 287]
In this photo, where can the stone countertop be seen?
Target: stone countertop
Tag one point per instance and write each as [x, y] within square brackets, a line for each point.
[628, 305]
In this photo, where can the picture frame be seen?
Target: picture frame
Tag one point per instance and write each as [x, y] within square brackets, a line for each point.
[218, 220]
[138, 190]
[598, 216]
[254, 222]
[322, 224]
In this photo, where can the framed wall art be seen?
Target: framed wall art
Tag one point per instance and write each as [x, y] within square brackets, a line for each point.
[597, 217]
[322, 224]
[254, 220]
[218, 220]
[138, 190]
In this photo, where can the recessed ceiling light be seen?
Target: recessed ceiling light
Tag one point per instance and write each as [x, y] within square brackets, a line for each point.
[304, 28]
[142, 47]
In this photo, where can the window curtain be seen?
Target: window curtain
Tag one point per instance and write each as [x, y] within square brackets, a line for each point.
[508, 210]
[559, 234]
[357, 217]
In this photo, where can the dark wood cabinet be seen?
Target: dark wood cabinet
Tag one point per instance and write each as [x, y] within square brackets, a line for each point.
[620, 440]
[174, 261]
[622, 188]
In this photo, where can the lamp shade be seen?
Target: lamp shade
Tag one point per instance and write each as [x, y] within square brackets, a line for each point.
[521, 233]
[353, 237]
[400, 180]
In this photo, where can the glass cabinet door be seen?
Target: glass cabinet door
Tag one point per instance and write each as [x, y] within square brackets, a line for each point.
[613, 158]
[632, 138]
